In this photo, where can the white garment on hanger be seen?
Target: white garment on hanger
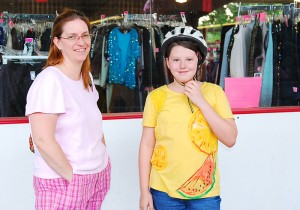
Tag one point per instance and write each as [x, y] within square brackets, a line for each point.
[9, 42]
[240, 52]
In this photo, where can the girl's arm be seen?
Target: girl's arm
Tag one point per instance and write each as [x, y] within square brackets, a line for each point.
[145, 153]
[224, 129]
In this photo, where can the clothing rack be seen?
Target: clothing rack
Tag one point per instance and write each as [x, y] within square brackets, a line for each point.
[286, 8]
[221, 25]
[152, 18]
[5, 58]
[7, 15]
[142, 17]
[116, 17]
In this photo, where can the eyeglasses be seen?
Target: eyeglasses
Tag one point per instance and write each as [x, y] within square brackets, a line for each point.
[75, 38]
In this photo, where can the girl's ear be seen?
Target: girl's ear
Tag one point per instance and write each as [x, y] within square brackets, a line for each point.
[167, 62]
[199, 59]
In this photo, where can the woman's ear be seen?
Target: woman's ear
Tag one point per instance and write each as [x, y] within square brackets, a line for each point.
[56, 42]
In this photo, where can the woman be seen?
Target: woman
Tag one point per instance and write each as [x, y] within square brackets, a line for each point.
[182, 124]
[72, 169]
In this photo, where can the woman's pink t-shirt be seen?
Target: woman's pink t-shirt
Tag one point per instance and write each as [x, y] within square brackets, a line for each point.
[79, 125]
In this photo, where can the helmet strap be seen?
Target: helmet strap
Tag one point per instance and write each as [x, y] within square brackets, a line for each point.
[180, 83]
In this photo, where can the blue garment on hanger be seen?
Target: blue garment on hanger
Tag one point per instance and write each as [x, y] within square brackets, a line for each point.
[123, 50]
[1, 36]
[267, 76]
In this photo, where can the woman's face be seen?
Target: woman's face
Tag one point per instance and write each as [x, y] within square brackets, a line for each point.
[75, 41]
[182, 63]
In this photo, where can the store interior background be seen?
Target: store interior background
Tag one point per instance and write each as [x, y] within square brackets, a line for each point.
[258, 173]
[94, 8]
[97, 9]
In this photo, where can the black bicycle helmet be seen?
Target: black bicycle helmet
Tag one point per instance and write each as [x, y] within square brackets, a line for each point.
[186, 33]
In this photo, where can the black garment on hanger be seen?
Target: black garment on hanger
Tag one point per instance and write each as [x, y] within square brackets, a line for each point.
[224, 30]
[46, 40]
[255, 48]
[96, 52]
[277, 55]
[122, 100]
[15, 39]
[289, 71]
[15, 81]
[30, 34]
[230, 45]
[1, 36]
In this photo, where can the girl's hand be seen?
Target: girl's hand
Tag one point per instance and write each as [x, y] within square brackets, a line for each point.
[193, 91]
[146, 202]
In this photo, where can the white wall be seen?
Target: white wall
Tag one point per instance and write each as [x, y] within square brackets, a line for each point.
[259, 173]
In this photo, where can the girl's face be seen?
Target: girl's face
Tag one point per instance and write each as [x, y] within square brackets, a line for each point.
[182, 63]
[75, 41]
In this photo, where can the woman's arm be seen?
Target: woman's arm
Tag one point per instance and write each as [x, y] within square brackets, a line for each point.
[145, 153]
[43, 132]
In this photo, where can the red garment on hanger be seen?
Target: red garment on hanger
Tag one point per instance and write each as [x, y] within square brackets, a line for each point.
[207, 5]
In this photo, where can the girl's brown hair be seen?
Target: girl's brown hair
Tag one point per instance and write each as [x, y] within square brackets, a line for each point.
[55, 57]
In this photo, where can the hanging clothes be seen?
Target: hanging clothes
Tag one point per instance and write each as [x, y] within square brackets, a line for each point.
[1, 36]
[224, 31]
[255, 51]
[15, 81]
[224, 67]
[235, 30]
[289, 68]
[240, 52]
[277, 60]
[267, 78]
[123, 50]
[46, 40]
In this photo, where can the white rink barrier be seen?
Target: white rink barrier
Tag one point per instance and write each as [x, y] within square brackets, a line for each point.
[259, 173]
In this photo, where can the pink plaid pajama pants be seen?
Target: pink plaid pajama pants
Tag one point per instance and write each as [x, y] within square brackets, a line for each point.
[84, 192]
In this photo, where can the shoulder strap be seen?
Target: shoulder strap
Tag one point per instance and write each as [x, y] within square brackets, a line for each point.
[158, 97]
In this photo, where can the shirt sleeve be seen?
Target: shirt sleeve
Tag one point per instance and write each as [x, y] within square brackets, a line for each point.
[222, 106]
[149, 114]
[46, 94]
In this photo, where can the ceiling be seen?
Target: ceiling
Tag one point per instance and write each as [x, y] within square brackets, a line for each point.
[94, 8]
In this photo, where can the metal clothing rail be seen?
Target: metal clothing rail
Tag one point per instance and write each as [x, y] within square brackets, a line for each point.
[116, 17]
[29, 16]
[285, 7]
[5, 58]
[139, 17]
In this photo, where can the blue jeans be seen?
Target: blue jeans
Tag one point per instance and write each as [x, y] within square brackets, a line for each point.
[162, 201]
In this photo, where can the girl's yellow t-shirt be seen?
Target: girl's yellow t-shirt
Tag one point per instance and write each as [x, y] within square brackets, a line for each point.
[184, 160]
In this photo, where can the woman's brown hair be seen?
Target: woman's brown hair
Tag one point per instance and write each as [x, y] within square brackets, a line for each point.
[55, 57]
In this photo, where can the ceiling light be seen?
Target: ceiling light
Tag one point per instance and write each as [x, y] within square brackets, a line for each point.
[181, 1]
